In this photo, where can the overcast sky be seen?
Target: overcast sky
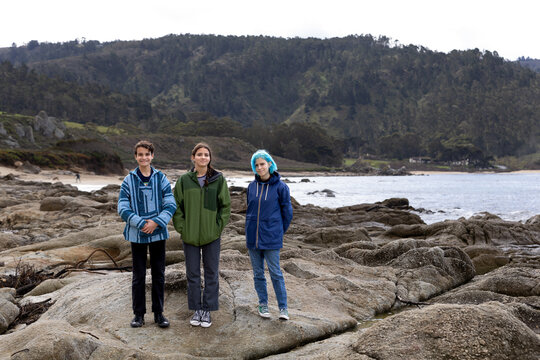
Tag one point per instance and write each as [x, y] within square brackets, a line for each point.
[508, 27]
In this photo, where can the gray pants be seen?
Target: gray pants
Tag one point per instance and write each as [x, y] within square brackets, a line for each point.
[210, 256]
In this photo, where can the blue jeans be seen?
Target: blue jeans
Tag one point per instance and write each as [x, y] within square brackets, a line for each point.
[272, 261]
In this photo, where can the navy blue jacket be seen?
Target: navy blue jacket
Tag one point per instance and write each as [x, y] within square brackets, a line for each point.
[269, 213]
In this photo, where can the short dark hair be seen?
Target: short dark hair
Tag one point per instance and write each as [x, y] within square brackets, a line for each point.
[145, 144]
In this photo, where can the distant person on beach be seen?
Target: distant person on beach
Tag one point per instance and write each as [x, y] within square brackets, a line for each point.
[269, 214]
[77, 178]
[203, 209]
[146, 204]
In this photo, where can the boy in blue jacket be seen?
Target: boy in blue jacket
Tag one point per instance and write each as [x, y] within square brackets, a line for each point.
[269, 214]
[146, 204]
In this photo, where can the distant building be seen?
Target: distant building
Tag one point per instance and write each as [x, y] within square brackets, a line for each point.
[420, 160]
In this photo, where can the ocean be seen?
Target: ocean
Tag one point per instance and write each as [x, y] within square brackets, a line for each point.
[511, 196]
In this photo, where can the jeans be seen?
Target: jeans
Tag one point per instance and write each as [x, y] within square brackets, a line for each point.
[272, 261]
[210, 256]
[138, 286]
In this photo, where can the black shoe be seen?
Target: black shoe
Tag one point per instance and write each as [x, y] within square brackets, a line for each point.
[137, 321]
[161, 320]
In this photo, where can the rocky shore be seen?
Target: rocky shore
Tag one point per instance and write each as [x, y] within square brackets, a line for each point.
[369, 281]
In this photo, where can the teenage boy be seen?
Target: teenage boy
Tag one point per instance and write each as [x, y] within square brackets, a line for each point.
[146, 204]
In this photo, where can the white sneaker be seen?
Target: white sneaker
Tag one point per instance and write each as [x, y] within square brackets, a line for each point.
[263, 311]
[206, 321]
[283, 314]
[196, 319]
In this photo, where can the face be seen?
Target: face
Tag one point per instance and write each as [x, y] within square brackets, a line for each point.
[201, 159]
[143, 157]
[262, 167]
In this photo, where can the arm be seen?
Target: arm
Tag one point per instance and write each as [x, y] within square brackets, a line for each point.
[124, 206]
[179, 217]
[224, 205]
[285, 205]
[169, 204]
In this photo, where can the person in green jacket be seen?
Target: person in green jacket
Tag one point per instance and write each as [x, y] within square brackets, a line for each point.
[203, 209]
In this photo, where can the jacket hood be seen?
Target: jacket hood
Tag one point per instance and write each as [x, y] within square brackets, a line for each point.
[214, 177]
[274, 178]
[134, 172]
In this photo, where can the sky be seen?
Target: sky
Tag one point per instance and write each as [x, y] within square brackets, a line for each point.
[507, 27]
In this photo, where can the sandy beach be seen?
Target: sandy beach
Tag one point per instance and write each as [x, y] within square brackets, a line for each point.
[87, 178]
[63, 176]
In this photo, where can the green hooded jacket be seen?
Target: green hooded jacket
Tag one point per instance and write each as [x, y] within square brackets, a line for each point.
[201, 213]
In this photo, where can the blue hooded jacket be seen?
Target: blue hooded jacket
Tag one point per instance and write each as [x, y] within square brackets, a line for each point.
[269, 213]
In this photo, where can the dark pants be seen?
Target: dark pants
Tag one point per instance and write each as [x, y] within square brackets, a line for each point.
[138, 286]
[210, 256]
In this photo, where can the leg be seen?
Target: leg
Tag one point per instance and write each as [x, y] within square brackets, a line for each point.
[138, 254]
[257, 263]
[157, 264]
[193, 274]
[210, 254]
[272, 260]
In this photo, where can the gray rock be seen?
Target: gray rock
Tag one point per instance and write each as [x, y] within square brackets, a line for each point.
[30, 168]
[8, 310]
[19, 130]
[487, 331]
[10, 142]
[59, 340]
[53, 203]
[48, 126]
[486, 258]
[9, 240]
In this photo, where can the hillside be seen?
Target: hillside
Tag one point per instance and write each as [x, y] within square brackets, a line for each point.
[48, 142]
[359, 93]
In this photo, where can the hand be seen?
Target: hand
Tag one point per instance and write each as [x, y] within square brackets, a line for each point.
[149, 227]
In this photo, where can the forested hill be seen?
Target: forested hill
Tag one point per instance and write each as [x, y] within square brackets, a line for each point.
[397, 101]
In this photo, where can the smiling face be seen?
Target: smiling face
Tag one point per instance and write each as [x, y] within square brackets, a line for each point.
[144, 157]
[262, 167]
[201, 158]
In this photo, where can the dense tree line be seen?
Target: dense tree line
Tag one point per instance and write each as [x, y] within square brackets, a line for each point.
[26, 92]
[373, 96]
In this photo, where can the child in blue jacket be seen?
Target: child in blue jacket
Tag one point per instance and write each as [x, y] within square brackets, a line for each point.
[269, 214]
[146, 204]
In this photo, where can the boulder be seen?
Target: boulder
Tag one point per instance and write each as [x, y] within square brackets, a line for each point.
[53, 339]
[30, 168]
[101, 304]
[487, 331]
[8, 310]
[486, 258]
[53, 203]
[48, 126]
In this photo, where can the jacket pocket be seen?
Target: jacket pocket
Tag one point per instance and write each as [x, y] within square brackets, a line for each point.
[210, 199]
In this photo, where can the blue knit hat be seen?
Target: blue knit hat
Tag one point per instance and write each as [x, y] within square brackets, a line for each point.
[266, 156]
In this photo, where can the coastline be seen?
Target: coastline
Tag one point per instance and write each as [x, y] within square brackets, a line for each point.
[66, 177]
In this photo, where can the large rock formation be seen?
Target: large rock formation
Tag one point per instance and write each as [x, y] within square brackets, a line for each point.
[345, 269]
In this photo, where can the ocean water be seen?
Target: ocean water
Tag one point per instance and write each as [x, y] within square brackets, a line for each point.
[512, 196]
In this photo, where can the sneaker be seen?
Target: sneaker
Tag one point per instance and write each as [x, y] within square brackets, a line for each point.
[283, 314]
[196, 319]
[206, 321]
[137, 321]
[161, 320]
[263, 311]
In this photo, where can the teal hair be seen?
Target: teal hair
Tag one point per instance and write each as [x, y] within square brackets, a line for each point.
[266, 156]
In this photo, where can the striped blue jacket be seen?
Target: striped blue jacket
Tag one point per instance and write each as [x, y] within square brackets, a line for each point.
[138, 202]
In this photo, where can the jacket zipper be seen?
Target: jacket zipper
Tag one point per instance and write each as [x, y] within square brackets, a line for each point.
[200, 213]
[258, 213]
